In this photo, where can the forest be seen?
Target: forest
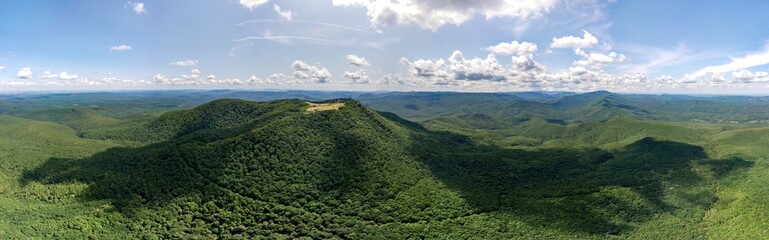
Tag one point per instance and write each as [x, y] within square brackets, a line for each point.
[383, 165]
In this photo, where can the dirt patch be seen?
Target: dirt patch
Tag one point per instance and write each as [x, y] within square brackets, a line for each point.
[314, 107]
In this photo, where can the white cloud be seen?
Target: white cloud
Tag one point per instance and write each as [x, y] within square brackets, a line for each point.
[121, 48]
[357, 61]
[139, 8]
[477, 68]
[48, 75]
[283, 14]
[251, 4]
[426, 68]
[24, 73]
[432, 14]
[487, 74]
[581, 79]
[459, 70]
[596, 60]
[304, 71]
[526, 63]
[748, 61]
[750, 77]
[194, 75]
[359, 76]
[60, 76]
[186, 62]
[2, 68]
[277, 76]
[586, 41]
[211, 77]
[514, 47]
[160, 78]
[274, 79]
[666, 79]
[66, 76]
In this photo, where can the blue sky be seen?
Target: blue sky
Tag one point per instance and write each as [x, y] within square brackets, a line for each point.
[460, 45]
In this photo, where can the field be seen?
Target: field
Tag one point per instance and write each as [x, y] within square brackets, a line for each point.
[383, 166]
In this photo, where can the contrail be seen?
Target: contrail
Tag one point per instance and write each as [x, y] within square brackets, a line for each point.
[284, 37]
[300, 21]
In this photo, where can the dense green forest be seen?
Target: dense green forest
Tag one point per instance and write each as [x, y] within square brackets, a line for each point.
[244, 165]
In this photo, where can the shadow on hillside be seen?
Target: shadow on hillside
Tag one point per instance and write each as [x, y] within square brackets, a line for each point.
[586, 190]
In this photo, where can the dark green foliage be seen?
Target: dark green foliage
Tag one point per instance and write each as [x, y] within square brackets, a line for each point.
[239, 169]
[243, 169]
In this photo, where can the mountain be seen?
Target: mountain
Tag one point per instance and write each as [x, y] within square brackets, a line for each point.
[454, 108]
[338, 169]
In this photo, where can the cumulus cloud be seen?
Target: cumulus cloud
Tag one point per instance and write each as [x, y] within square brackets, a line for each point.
[426, 68]
[666, 79]
[476, 68]
[283, 14]
[578, 78]
[357, 61]
[186, 62]
[460, 70]
[210, 77]
[432, 14]
[160, 78]
[48, 75]
[277, 76]
[596, 60]
[2, 68]
[514, 47]
[24, 73]
[488, 73]
[251, 4]
[586, 41]
[304, 71]
[526, 63]
[121, 48]
[66, 76]
[194, 75]
[139, 8]
[359, 76]
[60, 76]
[750, 77]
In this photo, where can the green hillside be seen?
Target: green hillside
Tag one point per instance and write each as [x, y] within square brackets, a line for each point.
[240, 169]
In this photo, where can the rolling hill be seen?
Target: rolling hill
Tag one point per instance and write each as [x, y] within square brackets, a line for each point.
[240, 169]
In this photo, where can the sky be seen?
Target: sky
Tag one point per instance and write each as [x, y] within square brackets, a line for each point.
[650, 46]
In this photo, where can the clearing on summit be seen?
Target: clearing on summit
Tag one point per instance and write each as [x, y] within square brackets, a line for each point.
[314, 107]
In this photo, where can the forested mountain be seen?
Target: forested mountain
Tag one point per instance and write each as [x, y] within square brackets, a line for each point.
[511, 109]
[233, 168]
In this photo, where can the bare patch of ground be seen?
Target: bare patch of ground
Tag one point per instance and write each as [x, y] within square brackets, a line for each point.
[314, 107]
